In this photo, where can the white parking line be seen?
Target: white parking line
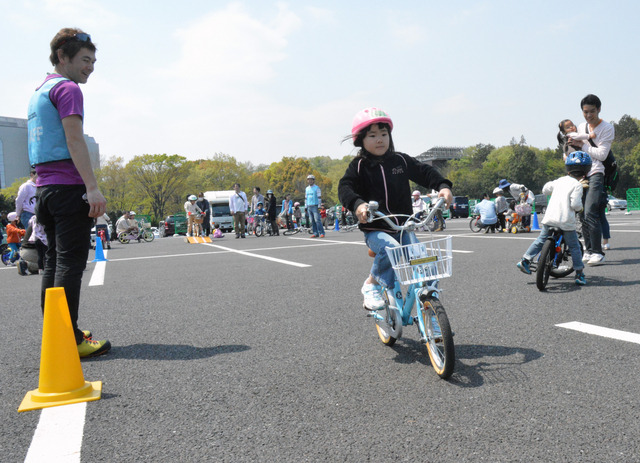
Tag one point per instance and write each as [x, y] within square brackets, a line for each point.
[245, 253]
[602, 331]
[58, 437]
[97, 277]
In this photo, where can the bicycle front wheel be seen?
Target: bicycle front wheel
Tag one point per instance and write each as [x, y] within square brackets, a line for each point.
[259, 230]
[474, 224]
[439, 338]
[544, 264]
[291, 232]
[148, 236]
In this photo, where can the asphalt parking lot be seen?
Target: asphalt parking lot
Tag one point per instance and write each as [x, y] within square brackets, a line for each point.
[259, 350]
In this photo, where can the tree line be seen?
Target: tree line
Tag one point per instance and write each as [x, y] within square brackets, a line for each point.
[158, 184]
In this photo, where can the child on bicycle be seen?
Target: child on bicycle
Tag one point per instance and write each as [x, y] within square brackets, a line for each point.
[379, 173]
[14, 236]
[565, 201]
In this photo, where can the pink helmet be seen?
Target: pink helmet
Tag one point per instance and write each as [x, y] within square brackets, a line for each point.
[367, 117]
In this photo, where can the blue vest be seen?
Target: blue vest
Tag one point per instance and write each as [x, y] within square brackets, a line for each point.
[47, 142]
[311, 195]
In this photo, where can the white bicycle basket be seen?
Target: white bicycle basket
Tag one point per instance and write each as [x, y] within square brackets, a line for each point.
[429, 260]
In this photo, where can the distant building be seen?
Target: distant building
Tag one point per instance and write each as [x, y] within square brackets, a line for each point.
[14, 154]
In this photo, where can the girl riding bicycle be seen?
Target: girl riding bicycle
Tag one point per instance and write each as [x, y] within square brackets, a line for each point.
[565, 201]
[379, 173]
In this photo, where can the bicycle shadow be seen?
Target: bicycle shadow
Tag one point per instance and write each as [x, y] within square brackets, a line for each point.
[167, 352]
[472, 369]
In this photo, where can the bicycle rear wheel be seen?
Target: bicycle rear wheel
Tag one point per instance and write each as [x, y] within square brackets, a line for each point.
[544, 264]
[438, 335]
[389, 329]
[474, 224]
[293, 231]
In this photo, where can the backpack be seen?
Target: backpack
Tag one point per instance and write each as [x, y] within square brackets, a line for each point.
[610, 167]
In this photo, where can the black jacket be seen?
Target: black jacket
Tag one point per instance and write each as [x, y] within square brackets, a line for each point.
[385, 179]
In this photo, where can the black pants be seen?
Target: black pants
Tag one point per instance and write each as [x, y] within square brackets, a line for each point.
[502, 220]
[64, 215]
[206, 225]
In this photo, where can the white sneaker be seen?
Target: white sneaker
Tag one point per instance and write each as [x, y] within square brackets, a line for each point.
[606, 247]
[372, 296]
[586, 256]
[596, 259]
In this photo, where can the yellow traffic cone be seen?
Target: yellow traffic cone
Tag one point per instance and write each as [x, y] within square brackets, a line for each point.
[61, 378]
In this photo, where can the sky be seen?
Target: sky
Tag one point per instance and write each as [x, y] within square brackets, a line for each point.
[260, 80]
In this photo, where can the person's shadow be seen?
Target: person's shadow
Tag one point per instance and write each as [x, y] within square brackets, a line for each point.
[168, 352]
[476, 364]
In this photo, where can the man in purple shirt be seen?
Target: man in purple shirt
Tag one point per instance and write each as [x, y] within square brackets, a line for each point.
[67, 195]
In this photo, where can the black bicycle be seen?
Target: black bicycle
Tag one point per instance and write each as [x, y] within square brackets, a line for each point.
[554, 259]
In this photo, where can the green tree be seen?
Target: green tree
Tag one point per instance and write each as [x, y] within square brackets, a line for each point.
[159, 177]
[218, 173]
[113, 183]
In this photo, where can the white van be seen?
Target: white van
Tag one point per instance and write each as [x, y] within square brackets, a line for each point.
[220, 213]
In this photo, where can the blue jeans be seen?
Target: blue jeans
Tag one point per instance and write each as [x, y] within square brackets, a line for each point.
[377, 241]
[570, 237]
[15, 251]
[594, 200]
[316, 220]
[24, 218]
[604, 223]
[64, 215]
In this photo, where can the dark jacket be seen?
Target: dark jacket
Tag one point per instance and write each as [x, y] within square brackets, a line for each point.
[271, 207]
[385, 179]
[204, 207]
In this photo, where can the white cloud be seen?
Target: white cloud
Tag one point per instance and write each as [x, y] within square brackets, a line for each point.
[322, 15]
[229, 48]
[409, 34]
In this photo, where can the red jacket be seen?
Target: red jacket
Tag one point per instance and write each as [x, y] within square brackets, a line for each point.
[14, 234]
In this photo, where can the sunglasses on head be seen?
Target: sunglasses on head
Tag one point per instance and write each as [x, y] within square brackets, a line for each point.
[81, 37]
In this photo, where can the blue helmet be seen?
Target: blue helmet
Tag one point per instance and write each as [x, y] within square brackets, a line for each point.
[578, 162]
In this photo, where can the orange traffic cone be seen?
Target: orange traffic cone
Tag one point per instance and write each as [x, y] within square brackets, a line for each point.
[61, 378]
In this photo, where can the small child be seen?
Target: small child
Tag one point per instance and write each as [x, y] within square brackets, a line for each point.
[568, 131]
[297, 214]
[380, 173]
[39, 239]
[217, 232]
[14, 236]
[565, 201]
[260, 210]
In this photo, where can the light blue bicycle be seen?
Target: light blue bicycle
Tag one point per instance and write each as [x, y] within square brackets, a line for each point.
[418, 267]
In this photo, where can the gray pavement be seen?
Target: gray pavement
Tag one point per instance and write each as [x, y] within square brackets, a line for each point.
[221, 356]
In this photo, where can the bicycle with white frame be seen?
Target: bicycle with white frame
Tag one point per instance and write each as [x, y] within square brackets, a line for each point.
[418, 267]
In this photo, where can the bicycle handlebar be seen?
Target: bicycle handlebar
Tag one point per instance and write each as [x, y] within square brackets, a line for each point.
[373, 214]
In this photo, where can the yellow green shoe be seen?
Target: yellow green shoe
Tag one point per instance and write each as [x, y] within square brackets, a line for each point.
[89, 348]
[86, 334]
